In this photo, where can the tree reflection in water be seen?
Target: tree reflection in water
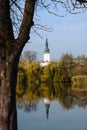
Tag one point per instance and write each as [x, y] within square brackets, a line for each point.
[28, 97]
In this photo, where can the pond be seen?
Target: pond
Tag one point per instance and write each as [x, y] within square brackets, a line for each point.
[51, 107]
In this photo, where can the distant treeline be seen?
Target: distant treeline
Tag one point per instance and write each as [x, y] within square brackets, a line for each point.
[63, 70]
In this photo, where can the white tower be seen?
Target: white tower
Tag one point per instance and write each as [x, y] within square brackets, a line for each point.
[46, 52]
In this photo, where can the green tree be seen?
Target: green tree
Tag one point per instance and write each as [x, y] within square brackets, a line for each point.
[58, 72]
[80, 66]
[34, 72]
[46, 74]
[11, 46]
[67, 64]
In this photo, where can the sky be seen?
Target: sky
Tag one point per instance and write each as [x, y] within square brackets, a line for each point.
[68, 35]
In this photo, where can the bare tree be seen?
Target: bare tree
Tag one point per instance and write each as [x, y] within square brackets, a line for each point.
[29, 56]
[16, 20]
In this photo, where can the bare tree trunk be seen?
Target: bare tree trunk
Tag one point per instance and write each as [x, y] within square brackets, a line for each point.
[10, 50]
[8, 77]
[8, 70]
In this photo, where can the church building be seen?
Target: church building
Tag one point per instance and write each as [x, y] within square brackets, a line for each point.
[46, 59]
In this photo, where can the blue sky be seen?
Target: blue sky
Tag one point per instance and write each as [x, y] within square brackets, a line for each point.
[69, 35]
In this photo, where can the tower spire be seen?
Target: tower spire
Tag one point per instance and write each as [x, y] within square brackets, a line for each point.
[46, 49]
[46, 52]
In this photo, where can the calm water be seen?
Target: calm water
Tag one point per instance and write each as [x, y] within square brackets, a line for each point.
[54, 109]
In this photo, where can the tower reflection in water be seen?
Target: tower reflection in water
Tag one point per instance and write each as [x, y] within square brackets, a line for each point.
[47, 106]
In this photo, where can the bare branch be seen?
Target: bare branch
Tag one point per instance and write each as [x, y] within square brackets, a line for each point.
[27, 21]
[55, 7]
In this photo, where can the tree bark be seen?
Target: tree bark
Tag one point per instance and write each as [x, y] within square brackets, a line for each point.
[8, 76]
[10, 50]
